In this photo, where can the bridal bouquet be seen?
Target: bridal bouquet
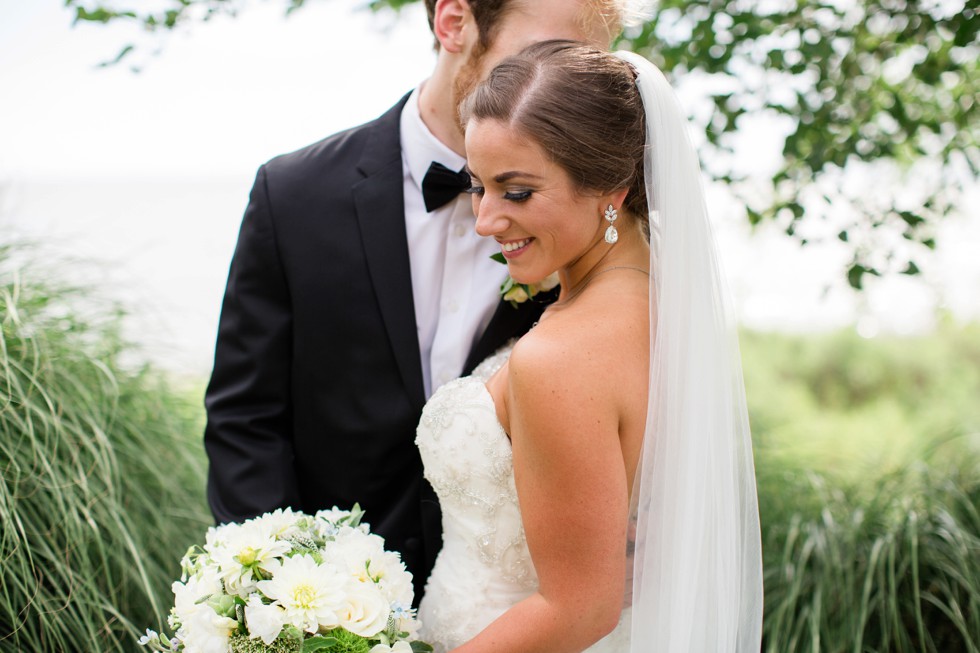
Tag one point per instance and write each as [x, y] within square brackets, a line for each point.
[286, 582]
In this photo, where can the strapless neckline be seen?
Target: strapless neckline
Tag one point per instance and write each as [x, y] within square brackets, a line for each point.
[484, 567]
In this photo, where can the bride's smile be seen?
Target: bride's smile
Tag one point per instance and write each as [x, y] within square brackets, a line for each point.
[542, 219]
[512, 249]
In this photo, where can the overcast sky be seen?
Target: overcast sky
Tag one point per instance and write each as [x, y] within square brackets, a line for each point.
[217, 100]
[150, 172]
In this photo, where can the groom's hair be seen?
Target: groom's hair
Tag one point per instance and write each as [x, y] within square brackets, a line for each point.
[489, 14]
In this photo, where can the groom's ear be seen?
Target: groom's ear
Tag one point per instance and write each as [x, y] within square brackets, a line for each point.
[452, 23]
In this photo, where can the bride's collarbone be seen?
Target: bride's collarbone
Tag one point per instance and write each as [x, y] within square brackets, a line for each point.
[619, 295]
[619, 321]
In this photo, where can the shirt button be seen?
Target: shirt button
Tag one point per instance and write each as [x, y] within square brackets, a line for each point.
[460, 230]
[452, 306]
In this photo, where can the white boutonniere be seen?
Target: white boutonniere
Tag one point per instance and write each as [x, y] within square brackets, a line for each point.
[518, 293]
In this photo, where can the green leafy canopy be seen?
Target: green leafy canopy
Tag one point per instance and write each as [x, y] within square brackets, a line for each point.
[875, 101]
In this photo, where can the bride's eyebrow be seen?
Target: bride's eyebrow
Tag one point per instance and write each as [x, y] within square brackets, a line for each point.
[504, 177]
[514, 174]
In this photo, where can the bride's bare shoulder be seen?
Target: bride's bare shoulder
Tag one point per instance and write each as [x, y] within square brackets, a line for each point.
[585, 347]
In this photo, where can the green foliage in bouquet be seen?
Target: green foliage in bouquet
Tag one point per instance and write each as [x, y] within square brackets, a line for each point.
[240, 643]
[338, 641]
[100, 471]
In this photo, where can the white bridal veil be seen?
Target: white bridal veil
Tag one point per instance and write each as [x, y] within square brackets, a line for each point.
[697, 567]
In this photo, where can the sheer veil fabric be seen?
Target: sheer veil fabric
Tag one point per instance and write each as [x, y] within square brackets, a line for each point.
[696, 552]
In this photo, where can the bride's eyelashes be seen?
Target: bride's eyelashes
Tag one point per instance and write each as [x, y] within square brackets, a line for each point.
[511, 195]
[517, 195]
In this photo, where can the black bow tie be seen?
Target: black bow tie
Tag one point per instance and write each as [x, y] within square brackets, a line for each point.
[441, 185]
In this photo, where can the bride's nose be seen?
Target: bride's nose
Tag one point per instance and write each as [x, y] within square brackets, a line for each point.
[490, 219]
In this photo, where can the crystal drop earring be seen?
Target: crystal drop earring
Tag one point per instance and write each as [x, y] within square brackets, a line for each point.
[611, 234]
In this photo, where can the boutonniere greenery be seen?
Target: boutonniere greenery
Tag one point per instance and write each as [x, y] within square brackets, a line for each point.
[518, 293]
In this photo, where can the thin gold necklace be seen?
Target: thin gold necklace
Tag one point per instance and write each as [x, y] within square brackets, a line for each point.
[575, 292]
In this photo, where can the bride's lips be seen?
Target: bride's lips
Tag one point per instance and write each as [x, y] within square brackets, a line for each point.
[513, 248]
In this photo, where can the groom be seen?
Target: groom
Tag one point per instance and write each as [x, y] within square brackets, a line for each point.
[358, 286]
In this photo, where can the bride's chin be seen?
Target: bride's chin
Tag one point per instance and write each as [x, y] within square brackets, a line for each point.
[542, 281]
[522, 273]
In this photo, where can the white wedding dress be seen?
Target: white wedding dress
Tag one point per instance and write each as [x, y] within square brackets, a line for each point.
[484, 567]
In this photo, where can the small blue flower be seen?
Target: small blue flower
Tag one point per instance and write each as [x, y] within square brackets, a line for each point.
[151, 637]
[399, 611]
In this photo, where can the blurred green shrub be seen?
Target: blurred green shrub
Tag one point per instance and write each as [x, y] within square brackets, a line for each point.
[846, 406]
[868, 463]
[867, 457]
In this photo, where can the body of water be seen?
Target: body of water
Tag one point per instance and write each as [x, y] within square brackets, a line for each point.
[162, 248]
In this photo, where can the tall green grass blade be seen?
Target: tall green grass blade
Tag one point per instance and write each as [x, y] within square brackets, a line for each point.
[101, 474]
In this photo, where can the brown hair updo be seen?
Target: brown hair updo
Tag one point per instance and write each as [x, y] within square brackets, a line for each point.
[581, 106]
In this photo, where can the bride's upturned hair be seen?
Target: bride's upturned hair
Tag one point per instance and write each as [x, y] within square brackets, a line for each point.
[581, 106]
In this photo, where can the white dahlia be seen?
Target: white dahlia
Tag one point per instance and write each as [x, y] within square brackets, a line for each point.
[311, 594]
[241, 549]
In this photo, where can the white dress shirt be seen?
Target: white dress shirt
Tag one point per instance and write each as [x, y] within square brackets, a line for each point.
[455, 283]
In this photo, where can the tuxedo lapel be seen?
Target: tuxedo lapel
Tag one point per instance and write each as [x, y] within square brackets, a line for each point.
[380, 205]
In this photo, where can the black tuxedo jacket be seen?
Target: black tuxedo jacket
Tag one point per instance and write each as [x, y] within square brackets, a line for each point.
[317, 383]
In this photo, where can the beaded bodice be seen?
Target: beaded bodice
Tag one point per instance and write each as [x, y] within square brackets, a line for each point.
[484, 566]
[467, 458]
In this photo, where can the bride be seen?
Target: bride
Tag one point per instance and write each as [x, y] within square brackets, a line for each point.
[596, 480]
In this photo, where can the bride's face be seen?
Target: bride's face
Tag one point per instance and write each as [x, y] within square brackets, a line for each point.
[529, 204]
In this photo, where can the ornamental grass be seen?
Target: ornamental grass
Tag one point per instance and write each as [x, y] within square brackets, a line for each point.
[868, 462]
[101, 473]
[889, 565]
[871, 530]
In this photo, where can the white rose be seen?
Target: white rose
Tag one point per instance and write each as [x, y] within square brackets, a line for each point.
[366, 612]
[360, 554]
[263, 621]
[208, 632]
